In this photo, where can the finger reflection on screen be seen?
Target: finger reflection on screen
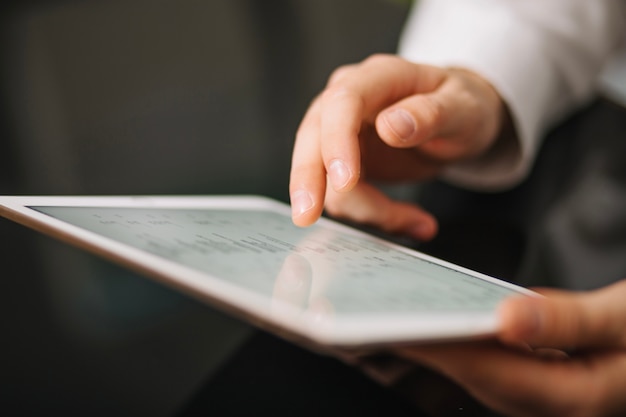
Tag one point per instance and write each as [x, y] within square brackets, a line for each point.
[304, 277]
[293, 283]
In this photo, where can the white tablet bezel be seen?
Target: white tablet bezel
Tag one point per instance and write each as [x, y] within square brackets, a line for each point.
[353, 332]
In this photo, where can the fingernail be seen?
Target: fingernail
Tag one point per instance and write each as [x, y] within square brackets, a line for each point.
[339, 174]
[401, 123]
[301, 202]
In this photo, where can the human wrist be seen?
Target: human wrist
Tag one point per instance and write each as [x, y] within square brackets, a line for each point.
[499, 164]
[495, 113]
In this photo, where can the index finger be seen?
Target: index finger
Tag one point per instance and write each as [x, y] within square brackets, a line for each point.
[327, 141]
[307, 184]
[355, 96]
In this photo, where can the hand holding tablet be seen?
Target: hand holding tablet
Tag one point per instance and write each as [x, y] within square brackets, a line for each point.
[328, 284]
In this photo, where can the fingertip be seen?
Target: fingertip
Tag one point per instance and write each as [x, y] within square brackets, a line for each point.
[303, 206]
[426, 230]
[302, 221]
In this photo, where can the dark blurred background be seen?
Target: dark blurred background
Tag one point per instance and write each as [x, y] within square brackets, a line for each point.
[145, 97]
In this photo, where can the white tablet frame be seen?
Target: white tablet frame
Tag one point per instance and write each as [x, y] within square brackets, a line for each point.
[367, 332]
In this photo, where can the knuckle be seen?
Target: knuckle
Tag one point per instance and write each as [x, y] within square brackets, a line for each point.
[343, 72]
[303, 132]
[336, 91]
[302, 169]
[379, 59]
[433, 112]
[339, 74]
[341, 94]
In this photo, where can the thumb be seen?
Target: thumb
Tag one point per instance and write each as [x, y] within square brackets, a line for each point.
[460, 118]
[564, 320]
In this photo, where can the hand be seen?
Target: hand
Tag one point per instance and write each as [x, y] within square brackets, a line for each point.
[564, 355]
[391, 120]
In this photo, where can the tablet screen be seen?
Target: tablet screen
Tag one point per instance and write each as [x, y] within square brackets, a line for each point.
[322, 266]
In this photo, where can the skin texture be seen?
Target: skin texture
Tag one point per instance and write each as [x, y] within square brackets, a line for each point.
[386, 119]
[563, 355]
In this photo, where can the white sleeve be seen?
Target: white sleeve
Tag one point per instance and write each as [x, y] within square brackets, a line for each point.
[543, 57]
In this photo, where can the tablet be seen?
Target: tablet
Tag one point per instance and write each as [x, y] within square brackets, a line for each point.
[329, 285]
